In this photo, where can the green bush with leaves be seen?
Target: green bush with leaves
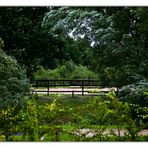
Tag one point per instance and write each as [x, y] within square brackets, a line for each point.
[46, 74]
[67, 71]
[13, 87]
[137, 96]
[13, 82]
[81, 72]
[135, 93]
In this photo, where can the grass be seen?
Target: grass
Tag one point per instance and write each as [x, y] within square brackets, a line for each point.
[65, 99]
[72, 127]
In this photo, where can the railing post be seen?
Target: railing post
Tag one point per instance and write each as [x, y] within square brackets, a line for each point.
[54, 83]
[72, 93]
[36, 84]
[82, 87]
[117, 90]
[48, 87]
[63, 83]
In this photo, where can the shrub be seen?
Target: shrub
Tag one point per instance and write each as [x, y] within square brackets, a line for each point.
[2, 138]
[13, 86]
[46, 74]
[67, 71]
[137, 96]
[135, 93]
[81, 72]
[13, 82]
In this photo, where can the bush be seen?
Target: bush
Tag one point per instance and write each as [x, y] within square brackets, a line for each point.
[81, 72]
[135, 93]
[137, 96]
[67, 71]
[13, 82]
[46, 74]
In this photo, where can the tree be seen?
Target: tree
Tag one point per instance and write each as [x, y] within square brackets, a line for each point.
[115, 36]
[27, 41]
[24, 39]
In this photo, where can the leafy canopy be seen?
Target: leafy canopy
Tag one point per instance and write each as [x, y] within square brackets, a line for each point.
[117, 36]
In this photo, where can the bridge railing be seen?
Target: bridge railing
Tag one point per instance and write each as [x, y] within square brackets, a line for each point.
[50, 83]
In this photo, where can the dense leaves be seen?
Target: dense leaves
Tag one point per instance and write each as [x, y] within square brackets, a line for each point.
[135, 93]
[67, 71]
[13, 81]
[34, 46]
[20, 28]
[14, 85]
[116, 37]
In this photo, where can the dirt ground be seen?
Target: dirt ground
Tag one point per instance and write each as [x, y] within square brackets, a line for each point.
[91, 133]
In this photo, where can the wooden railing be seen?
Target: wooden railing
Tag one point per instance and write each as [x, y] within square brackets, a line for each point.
[54, 83]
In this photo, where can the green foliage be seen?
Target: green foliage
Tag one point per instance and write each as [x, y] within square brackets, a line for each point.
[132, 131]
[24, 36]
[67, 71]
[93, 37]
[29, 124]
[13, 82]
[2, 138]
[135, 93]
[70, 119]
[112, 111]
[81, 72]
[46, 74]
[1, 43]
[26, 40]
[116, 36]
[136, 96]
[76, 22]
[14, 86]
[113, 42]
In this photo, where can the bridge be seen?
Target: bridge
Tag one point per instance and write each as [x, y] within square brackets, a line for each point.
[69, 86]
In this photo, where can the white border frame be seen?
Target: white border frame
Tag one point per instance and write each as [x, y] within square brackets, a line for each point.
[73, 2]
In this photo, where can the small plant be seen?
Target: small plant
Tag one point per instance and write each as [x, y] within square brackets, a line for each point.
[29, 121]
[133, 131]
[8, 121]
[2, 138]
[118, 111]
